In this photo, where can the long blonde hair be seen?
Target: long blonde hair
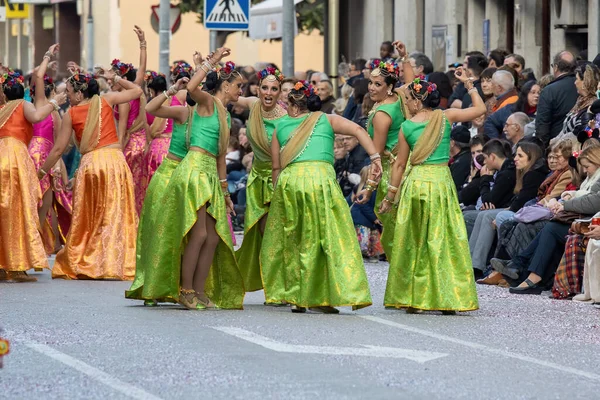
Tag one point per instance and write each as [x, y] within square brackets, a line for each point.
[364, 176]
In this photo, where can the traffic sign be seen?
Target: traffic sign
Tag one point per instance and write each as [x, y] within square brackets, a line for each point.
[227, 15]
[175, 18]
[15, 11]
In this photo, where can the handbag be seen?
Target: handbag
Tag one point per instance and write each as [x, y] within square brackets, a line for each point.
[566, 217]
[580, 226]
[533, 213]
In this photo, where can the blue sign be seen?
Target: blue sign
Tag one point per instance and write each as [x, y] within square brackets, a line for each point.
[486, 36]
[226, 15]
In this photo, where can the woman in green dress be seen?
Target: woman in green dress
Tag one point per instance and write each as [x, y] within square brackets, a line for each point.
[383, 124]
[430, 266]
[152, 282]
[310, 257]
[265, 112]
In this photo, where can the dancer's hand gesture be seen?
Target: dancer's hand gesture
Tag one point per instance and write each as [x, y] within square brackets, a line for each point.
[385, 207]
[60, 98]
[376, 169]
[363, 196]
[229, 206]
[53, 50]
[140, 33]
[462, 74]
[400, 48]
[220, 54]
[181, 84]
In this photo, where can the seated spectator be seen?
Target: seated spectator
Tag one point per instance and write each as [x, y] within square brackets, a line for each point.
[503, 86]
[488, 89]
[527, 104]
[514, 128]
[557, 99]
[233, 151]
[386, 51]
[354, 75]
[460, 155]
[539, 260]
[476, 64]
[368, 227]
[346, 180]
[496, 58]
[316, 77]
[515, 61]
[469, 193]
[531, 172]
[286, 87]
[477, 126]
[339, 105]
[498, 180]
[366, 106]
[421, 64]
[357, 156]
[527, 75]
[325, 91]
[587, 78]
[361, 89]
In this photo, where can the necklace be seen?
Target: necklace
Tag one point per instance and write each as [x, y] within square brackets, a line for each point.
[276, 112]
[379, 104]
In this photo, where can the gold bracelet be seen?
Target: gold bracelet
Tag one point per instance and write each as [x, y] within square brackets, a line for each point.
[117, 78]
[371, 182]
[44, 173]
[392, 189]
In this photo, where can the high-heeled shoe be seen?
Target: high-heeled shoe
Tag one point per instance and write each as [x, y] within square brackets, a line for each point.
[205, 302]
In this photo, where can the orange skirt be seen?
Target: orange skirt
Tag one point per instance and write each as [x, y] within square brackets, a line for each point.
[101, 239]
[21, 246]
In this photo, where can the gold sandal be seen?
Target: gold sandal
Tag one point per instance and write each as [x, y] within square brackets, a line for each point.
[188, 299]
[205, 302]
[325, 310]
[21, 276]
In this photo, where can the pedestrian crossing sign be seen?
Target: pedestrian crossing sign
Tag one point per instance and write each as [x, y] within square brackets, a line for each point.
[226, 15]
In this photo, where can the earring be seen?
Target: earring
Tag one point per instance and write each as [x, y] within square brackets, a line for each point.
[389, 93]
[226, 90]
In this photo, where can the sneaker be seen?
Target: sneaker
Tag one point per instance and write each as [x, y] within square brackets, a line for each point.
[582, 297]
[505, 267]
[597, 305]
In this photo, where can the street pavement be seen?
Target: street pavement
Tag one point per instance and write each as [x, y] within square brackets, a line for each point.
[84, 340]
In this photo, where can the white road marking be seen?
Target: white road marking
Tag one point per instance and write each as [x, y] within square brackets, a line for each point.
[94, 373]
[365, 351]
[504, 353]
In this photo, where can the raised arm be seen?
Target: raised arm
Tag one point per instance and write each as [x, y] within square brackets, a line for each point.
[41, 108]
[203, 67]
[131, 92]
[467, 114]
[275, 158]
[158, 108]
[246, 102]
[139, 76]
[60, 144]
[407, 71]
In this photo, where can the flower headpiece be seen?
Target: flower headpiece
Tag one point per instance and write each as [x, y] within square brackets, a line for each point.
[180, 68]
[385, 68]
[226, 70]
[270, 74]
[80, 82]
[416, 86]
[303, 89]
[48, 82]
[120, 67]
[11, 78]
[149, 76]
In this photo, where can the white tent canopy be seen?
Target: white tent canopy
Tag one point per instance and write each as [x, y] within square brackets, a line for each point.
[266, 20]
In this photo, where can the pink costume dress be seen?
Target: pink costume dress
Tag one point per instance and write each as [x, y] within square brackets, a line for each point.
[159, 146]
[134, 151]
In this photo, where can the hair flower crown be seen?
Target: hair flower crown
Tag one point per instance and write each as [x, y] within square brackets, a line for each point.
[149, 76]
[389, 67]
[120, 67]
[227, 69]
[303, 88]
[11, 78]
[270, 71]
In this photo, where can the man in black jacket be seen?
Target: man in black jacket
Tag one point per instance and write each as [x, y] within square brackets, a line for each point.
[557, 99]
[460, 153]
[357, 156]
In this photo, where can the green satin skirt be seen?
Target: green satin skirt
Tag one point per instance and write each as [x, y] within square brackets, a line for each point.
[310, 255]
[430, 266]
[388, 219]
[193, 185]
[259, 191]
[150, 282]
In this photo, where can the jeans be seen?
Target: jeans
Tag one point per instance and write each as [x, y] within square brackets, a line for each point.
[502, 217]
[543, 255]
[233, 178]
[470, 216]
[482, 238]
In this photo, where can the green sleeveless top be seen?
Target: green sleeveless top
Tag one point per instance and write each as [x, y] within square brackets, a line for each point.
[394, 110]
[320, 144]
[178, 144]
[412, 132]
[270, 125]
[205, 131]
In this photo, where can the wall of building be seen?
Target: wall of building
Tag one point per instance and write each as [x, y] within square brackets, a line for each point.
[190, 37]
